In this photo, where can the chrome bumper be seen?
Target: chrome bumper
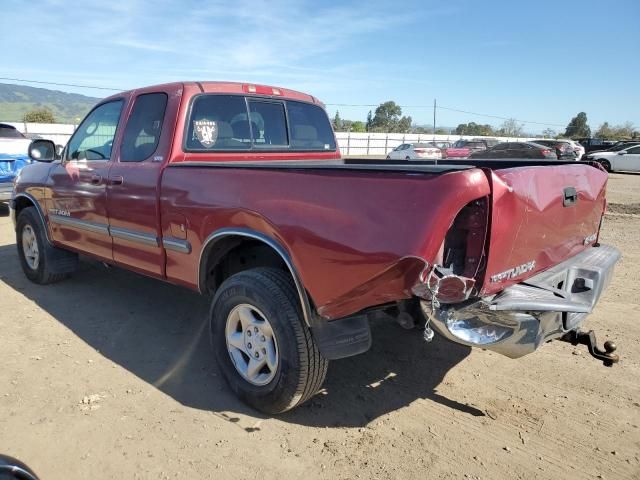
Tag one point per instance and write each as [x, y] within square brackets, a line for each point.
[519, 319]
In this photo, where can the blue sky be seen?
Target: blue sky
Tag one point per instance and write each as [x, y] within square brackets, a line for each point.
[542, 61]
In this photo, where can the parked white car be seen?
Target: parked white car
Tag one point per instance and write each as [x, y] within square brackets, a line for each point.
[415, 151]
[627, 158]
[579, 149]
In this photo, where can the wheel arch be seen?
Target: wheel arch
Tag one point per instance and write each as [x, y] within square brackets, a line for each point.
[221, 243]
[24, 200]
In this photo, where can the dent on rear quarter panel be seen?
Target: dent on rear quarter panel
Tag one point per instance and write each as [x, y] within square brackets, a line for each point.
[357, 239]
[530, 223]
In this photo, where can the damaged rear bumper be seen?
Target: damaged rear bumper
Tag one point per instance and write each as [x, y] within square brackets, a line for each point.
[519, 319]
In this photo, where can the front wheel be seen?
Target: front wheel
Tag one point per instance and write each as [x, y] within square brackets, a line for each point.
[41, 262]
[606, 164]
[263, 348]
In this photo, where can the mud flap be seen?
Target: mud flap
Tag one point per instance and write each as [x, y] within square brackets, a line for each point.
[342, 338]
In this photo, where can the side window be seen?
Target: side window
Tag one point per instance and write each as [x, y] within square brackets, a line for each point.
[310, 128]
[634, 150]
[218, 122]
[268, 124]
[93, 139]
[144, 127]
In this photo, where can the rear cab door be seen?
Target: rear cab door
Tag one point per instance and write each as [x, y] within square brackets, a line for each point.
[134, 179]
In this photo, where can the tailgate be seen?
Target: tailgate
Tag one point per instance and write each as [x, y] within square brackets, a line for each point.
[541, 216]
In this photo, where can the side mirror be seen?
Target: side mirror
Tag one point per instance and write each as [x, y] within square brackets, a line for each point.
[42, 150]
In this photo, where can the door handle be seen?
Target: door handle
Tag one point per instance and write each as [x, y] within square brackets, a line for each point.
[116, 180]
[570, 196]
[96, 179]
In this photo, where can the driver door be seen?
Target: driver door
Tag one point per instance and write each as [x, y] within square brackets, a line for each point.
[77, 200]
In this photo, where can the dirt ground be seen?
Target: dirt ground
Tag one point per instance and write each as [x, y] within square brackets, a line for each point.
[109, 375]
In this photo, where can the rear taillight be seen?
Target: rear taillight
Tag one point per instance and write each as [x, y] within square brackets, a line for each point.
[461, 262]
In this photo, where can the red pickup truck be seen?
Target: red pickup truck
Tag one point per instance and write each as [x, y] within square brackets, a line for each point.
[238, 191]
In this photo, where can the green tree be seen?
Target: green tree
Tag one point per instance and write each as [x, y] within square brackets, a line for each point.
[358, 126]
[549, 133]
[404, 125]
[578, 127]
[473, 128]
[624, 131]
[511, 128]
[604, 131]
[337, 122]
[387, 118]
[441, 131]
[39, 115]
[369, 124]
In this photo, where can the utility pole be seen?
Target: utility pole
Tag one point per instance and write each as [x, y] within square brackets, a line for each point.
[434, 123]
[434, 118]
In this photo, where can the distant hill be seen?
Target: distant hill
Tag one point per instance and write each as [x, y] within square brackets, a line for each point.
[16, 100]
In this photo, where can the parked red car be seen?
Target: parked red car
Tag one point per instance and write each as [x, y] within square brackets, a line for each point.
[238, 191]
[464, 148]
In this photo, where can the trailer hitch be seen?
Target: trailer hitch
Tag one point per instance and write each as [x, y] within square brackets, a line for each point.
[606, 356]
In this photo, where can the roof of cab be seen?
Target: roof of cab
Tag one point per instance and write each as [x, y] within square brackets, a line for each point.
[242, 88]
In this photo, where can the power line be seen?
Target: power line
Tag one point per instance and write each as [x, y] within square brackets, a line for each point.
[450, 109]
[487, 115]
[63, 84]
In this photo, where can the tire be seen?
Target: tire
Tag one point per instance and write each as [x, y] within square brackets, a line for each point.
[41, 262]
[605, 163]
[407, 158]
[269, 299]
[388, 157]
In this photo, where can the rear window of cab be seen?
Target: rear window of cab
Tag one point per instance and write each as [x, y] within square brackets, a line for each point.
[238, 123]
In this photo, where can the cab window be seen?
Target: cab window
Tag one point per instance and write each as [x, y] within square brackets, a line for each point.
[93, 139]
[144, 127]
[233, 122]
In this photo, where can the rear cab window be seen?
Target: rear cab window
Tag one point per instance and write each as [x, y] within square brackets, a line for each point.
[238, 123]
[142, 134]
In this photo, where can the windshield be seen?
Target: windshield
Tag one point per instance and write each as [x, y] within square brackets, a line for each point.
[621, 146]
[8, 131]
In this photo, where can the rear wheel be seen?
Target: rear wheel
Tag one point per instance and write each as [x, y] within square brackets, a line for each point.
[262, 346]
[41, 262]
[605, 163]
[407, 158]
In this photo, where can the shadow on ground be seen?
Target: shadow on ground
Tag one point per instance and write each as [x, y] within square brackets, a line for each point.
[158, 332]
